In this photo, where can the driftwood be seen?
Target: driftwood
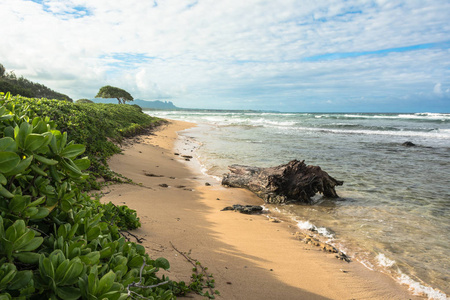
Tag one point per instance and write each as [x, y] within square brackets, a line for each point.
[294, 181]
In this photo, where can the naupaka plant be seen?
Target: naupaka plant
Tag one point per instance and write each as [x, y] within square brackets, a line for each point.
[55, 241]
[38, 166]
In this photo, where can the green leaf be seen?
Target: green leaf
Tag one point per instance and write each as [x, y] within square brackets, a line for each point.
[30, 212]
[61, 270]
[8, 296]
[106, 283]
[46, 268]
[27, 257]
[45, 160]
[91, 258]
[32, 245]
[9, 131]
[24, 130]
[136, 262]
[68, 164]
[8, 272]
[71, 274]
[21, 280]
[162, 263]
[15, 230]
[93, 233]
[34, 141]
[8, 161]
[3, 180]
[38, 170]
[21, 167]
[41, 213]
[68, 292]
[37, 201]
[7, 144]
[18, 203]
[5, 193]
[82, 163]
[72, 151]
[6, 117]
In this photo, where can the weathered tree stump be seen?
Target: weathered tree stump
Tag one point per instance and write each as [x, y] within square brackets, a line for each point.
[294, 181]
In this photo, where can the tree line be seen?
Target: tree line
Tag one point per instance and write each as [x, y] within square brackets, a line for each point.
[9, 82]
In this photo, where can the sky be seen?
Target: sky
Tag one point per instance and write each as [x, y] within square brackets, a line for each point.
[284, 55]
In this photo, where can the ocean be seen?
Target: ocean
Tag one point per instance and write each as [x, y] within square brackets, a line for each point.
[393, 214]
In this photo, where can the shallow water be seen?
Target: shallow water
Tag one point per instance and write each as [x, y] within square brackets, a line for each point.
[394, 210]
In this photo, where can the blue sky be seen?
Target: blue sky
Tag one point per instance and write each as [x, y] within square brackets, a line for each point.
[286, 55]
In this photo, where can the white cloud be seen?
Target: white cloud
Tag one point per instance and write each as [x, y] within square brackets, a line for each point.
[438, 89]
[198, 51]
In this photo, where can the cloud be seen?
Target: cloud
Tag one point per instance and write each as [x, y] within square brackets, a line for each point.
[438, 89]
[221, 54]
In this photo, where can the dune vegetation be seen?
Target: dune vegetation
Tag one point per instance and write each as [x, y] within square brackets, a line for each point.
[56, 241]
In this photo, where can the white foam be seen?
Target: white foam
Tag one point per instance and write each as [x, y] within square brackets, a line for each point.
[306, 225]
[384, 261]
[419, 289]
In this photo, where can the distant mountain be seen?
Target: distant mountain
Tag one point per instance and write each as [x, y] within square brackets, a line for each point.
[142, 103]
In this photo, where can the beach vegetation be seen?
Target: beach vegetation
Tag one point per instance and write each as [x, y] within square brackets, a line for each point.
[56, 241]
[114, 92]
[84, 101]
[100, 127]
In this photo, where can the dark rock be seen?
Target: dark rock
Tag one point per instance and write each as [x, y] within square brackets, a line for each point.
[187, 156]
[207, 184]
[152, 175]
[164, 185]
[294, 181]
[409, 144]
[245, 209]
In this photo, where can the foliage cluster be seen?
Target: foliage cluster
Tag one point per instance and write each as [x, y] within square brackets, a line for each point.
[101, 127]
[24, 87]
[114, 92]
[55, 241]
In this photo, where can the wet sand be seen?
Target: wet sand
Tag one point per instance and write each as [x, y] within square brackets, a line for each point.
[250, 256]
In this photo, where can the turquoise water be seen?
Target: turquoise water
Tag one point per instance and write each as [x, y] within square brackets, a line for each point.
[394, 210]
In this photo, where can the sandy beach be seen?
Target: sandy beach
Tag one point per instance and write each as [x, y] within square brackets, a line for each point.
[250, 256]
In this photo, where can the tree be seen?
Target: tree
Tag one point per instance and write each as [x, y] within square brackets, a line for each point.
[113, 92]
[2, 70]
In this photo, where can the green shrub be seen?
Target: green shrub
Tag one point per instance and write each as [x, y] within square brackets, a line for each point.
[101, 127]
[55, 241]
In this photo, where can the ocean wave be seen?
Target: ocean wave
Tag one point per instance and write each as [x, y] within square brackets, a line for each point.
[416, 116]
[435, 133]
[415, 287]
[420, 289]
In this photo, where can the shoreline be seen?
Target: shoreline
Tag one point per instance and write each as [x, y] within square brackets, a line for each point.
[249, 256]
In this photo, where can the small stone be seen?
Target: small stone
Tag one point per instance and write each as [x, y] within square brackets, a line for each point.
[217, 199]
[271, 270]
[177, 153]
[408, 144]
[207, 184]
[164, 185]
